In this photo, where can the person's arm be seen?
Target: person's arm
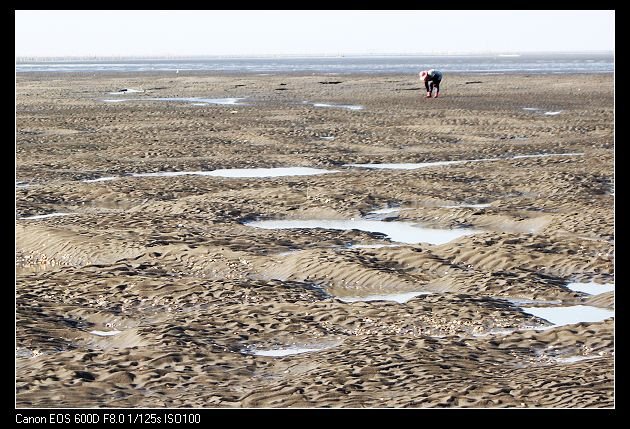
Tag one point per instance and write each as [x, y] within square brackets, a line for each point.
[426, 84]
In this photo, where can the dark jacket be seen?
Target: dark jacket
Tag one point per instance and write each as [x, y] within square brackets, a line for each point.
[434, 75]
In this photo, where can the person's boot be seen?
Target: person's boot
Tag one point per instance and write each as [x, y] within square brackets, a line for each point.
[436, 95]
[428, 95]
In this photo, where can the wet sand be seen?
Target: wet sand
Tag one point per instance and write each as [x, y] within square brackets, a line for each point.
[152, 290]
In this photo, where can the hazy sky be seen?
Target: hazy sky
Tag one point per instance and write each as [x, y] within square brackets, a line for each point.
[240, 32]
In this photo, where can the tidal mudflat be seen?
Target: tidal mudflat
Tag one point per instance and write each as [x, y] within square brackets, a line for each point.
[141, 282]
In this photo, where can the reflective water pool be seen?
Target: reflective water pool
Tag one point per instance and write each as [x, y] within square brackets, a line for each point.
[402, 232]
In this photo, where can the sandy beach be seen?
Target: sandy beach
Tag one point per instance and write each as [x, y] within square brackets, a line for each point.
[409, 238]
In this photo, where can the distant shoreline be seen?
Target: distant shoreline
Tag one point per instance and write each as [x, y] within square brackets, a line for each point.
[222, 73]
[372, 64]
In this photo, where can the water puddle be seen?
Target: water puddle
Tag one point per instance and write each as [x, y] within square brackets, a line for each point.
[23, 352]
[243, 172]
[290, 350]
[100, 179]
[401, 232]
[339, 106]
[382, 214]
[105, 333]
[288, 253]
[125, 91]
[409, 166]
[45, 216]
[20, 184]
[386, 210]
[572, 359]
[370, 246]
[474, 206]
[592, 288]
[413, 166]
[537, 110]
[559, 316]
[538, 155]
[400, 298]
[284, 352]
[329, 138]
[220, 101]
[308, 171]
[229, 173]
[197, 101]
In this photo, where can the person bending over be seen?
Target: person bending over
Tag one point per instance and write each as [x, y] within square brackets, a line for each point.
[431, 79]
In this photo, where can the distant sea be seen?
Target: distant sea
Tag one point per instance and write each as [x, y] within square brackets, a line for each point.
[489, 64]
